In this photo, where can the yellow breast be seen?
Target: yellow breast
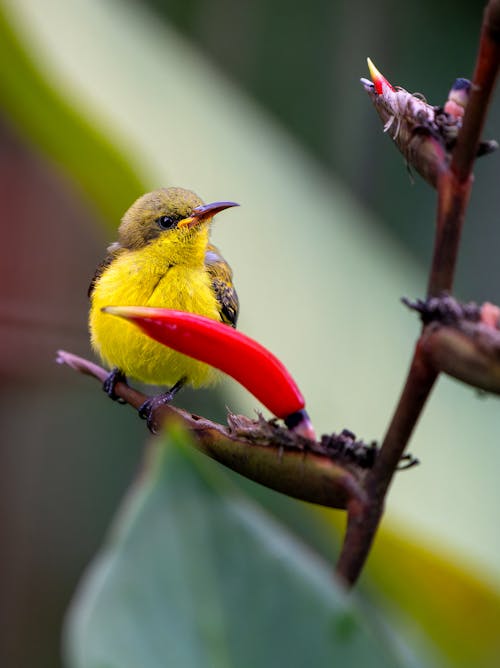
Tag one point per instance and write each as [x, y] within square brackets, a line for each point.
[136, 278]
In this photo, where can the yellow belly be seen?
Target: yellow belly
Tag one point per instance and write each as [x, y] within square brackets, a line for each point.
[129, 282]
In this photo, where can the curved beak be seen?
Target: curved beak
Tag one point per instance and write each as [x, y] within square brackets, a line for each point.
[204, 212]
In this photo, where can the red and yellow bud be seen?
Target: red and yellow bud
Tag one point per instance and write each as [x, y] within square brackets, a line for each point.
[425, 134]
[234, 353]
[379, 81]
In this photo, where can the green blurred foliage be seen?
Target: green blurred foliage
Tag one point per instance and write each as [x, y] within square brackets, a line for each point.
[49, 121]
[438, 587]
[432, 595]
[115, 99]
[199, 576]
[303, 63]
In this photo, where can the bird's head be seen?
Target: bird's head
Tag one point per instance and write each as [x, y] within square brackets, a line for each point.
[170, 214]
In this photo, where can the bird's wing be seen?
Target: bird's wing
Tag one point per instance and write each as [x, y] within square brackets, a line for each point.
[222, 283]
[113, 251]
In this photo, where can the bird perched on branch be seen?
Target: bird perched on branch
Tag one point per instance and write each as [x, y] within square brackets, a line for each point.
[162, 258]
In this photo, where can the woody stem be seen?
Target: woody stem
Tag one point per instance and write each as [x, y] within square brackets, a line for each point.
[454, 186]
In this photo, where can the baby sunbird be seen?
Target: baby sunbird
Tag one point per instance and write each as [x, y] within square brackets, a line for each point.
[162, 258]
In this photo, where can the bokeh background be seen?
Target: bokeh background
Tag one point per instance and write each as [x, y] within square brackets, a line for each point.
[257, 102]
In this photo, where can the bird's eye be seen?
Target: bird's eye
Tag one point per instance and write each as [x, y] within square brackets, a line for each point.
[166, 222]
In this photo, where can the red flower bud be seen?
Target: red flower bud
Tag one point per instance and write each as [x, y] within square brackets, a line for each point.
[224, 348]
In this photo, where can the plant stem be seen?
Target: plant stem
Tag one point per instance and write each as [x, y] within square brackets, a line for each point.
[455, 183]
[454, 186]
[363, 519]
[258, 450]
[485, 75]
[453, 197]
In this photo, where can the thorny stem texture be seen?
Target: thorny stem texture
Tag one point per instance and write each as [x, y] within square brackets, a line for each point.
[454, 186]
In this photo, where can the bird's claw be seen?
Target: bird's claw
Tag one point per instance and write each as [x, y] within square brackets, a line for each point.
[147, 410]
[109, 384]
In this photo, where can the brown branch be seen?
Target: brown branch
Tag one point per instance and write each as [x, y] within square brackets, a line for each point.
[454, 186]
[483, 83]
[453, 197]
[322, 473]
[363, 519]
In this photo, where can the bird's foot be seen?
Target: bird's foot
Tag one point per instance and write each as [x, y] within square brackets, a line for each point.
[148, 409]
[115, 376]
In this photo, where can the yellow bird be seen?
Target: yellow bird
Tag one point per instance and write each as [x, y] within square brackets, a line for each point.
[162, 258]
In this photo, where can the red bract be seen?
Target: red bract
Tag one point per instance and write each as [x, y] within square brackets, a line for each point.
[378, 79]
[224, 348]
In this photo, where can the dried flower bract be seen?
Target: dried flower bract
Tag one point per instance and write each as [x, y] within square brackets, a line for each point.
[425, 134]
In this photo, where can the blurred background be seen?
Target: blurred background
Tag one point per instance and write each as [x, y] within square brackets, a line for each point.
[257, 102]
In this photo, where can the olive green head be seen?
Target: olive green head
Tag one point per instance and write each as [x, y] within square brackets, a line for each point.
[156, 213]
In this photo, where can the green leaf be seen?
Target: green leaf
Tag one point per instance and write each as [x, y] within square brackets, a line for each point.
[458, 612]
[74, 142]
[195, 575]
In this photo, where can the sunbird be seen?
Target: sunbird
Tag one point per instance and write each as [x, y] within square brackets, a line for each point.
[163, 258]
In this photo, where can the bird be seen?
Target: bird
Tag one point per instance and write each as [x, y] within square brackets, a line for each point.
[162, 258]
